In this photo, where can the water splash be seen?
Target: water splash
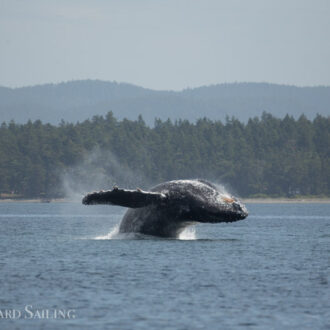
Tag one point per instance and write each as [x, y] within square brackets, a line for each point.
[113, 234]
[189, 233]
[223, 190]
[99, 169]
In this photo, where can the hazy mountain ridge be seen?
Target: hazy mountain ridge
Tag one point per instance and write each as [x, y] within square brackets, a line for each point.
[78, 100]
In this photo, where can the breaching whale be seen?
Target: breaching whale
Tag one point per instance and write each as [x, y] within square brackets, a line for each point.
[171, 206]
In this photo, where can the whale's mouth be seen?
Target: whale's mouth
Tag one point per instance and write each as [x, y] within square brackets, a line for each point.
[242, 215]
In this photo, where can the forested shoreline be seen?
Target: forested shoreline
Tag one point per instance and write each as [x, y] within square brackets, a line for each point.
[266, 156]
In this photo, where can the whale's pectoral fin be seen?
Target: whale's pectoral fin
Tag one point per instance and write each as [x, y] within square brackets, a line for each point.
[122, 197]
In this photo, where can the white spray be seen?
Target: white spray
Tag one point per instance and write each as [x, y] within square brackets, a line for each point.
[99, 170]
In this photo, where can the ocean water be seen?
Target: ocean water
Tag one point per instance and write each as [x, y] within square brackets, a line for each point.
[63, 266]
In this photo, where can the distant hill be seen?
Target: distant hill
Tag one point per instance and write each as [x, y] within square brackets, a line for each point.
[78, 100]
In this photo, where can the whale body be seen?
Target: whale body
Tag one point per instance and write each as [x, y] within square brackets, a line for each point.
[168, 208]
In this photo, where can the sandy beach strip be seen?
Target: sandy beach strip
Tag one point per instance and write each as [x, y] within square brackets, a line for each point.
[285, 200]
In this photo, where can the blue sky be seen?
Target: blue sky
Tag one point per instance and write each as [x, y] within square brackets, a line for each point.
[165, 44]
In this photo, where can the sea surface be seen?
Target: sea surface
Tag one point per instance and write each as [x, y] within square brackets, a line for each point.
[62, 265]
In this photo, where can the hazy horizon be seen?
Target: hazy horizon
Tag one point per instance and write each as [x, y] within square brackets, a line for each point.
[165, 45]
[164, 90]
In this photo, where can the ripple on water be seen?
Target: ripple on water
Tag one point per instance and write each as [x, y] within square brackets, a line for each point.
[268, 271]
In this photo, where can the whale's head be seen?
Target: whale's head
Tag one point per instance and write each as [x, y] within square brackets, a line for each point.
[218, 208]
[201, 201]
[231, 207]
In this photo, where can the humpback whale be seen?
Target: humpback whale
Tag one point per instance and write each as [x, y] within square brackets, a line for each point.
[171, 206]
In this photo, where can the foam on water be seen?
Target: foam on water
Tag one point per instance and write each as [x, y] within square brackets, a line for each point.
[113, 233]
[188, 233]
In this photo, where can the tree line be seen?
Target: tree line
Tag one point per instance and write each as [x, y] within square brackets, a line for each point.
[265, 156]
